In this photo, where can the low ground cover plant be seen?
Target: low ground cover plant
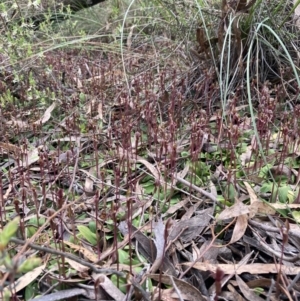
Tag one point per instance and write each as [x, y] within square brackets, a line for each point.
[149, 150]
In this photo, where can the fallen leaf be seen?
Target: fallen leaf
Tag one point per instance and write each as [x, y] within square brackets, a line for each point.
[76, 266]
[108, 286]
[246, 156]
[237, 209]
[31, 157]
[89, 255]
[262, 208]
[10, 148]
[254, 268]
[252, 194]
[191, 228]
[248, 294]
[174, 208]
[23, 281]
[239, 228]
[46, 115]
[89, 186]
[64, 295]
[159, 240]
[285, 206]
[189, 291]
[20, 124]
[233, 293]
[151, 168]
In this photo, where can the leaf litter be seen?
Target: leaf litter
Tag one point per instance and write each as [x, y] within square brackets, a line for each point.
[112, 189]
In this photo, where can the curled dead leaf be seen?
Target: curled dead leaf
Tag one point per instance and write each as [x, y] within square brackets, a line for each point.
[239, 228]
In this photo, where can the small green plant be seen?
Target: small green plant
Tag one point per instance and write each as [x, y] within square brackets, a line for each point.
[9, 260]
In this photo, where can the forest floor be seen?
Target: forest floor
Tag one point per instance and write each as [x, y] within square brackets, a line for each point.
[149, 164]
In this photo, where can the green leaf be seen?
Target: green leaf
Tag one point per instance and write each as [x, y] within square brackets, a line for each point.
[8, 232]
[283, 193]
[123, 256]
[31, 291]
[30, 231]
[82, 96]
[92, 226]
[29, 264]
[149, 189]
[88, 234]
[296, 216]
[259, 290]
[119, 282]
[266, 187]
[37, 222]
[265, 171]
[6, 261]
[231, 193]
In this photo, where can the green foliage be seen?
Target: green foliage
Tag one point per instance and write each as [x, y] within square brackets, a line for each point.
[237, 55]
[8, 232]
[9, 260]
[29, 264]
[87, 234]
[31, 291]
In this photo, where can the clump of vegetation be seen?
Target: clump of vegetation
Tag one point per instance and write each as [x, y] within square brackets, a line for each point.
[147, 155]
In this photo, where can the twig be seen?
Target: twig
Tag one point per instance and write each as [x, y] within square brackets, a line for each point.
[198, 189]
[176, 288]
[270, 289]
[141, 290]
[291, 285]
[67, 255]
[77, 149]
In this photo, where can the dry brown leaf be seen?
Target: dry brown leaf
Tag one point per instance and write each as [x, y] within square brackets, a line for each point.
[146, 247]
[246, 156]
[108, 286]
[248, 294]
[46, 115]
[189, 291]
[68, 294]
[141, 207]
[89, 182]
[224, 280]
[239, 228]
[165, 295]
[237, 209]
[262, 208]
[160, 243]
[254, 268]
[31, 157]
[234, 294]
[257, 206]
[22, 125]
[89, 255]
[252, 194]
[78, 82]
[191, 228]
[10, 148]
[23, 281]
[285, 206]
[176, 207]
[77, 266]
[110, 250]
[191, 211]
[264, 282]
[151, 168]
